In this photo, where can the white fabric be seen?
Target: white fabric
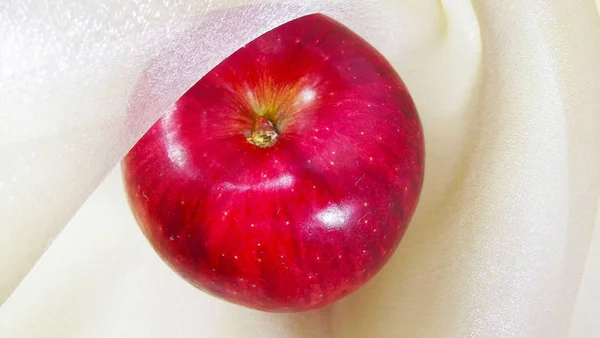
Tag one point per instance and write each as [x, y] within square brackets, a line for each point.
[509, 96]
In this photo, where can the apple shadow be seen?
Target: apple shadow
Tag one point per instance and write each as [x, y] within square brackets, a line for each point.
[253, 323]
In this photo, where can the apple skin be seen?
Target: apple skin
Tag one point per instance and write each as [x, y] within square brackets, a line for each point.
[308, 217]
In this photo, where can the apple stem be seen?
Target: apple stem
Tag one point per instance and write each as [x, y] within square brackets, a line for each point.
[264, 134]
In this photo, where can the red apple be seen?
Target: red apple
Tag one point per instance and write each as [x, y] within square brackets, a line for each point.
[285, 178]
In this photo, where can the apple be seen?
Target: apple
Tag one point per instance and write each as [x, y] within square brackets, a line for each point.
[285, 178]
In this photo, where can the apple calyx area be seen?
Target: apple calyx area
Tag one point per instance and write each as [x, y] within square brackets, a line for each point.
[264, 134]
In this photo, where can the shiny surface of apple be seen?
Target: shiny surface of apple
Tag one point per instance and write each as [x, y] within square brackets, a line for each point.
[285, 178]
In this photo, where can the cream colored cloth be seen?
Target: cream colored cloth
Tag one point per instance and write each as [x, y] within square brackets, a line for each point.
[509, 95]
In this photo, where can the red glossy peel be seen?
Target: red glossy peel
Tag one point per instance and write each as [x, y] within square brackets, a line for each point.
[285, 178]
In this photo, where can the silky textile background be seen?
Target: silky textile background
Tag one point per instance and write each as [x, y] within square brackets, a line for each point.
[508, 92]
